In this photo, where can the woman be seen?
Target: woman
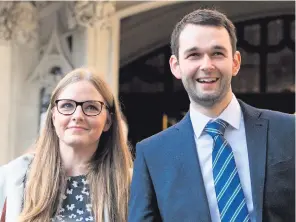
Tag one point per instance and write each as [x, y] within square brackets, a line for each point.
[81, 167]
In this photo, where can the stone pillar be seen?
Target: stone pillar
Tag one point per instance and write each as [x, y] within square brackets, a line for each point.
[25, 100]
[5, 92]
[103, 49]
[18, 128]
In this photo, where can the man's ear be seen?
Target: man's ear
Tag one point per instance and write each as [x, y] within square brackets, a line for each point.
[175, 67]
[108, 122]
[236, 63]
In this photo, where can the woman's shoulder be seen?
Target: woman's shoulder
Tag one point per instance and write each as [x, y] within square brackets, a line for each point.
[21, 160]
[17, 166]
[12, 174]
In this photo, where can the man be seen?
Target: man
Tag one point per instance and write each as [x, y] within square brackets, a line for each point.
[225, 160]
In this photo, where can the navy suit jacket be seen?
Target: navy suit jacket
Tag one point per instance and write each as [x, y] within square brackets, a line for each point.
[167, 183]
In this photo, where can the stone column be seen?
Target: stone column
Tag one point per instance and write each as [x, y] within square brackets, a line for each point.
[5, 92]
[17, 101]
[103, 49]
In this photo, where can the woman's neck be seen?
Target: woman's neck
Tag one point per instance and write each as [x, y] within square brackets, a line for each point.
[75, 160]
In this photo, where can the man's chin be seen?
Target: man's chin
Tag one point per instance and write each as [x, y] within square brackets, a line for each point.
[207, 100]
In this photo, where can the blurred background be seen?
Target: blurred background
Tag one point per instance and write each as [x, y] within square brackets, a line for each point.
[128, 42]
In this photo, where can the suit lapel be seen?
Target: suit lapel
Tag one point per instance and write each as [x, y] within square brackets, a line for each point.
[191, 163]
[256, 135]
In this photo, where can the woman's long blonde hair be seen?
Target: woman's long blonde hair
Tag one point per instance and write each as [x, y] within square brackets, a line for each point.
[109, 168]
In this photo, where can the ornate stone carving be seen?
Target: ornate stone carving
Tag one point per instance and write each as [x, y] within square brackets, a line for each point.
[53, 56]
[18, 21]
[88, 13]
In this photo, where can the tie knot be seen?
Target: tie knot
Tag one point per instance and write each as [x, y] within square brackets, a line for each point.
[216, 127]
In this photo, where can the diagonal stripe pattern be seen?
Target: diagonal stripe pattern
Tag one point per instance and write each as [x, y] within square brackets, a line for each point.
[230, 197]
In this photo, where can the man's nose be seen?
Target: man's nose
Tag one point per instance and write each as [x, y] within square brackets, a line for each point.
[206, 64]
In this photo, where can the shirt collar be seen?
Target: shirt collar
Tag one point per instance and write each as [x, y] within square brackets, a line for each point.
[232, 114]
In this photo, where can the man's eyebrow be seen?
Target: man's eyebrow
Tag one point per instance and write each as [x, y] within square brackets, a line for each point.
[192, 49]
[219, 47]
[215, 47]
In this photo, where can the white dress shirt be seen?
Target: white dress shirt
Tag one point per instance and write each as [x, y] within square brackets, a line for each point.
[236, 137]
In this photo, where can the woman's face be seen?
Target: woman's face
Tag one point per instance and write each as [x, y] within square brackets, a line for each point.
[78, 129]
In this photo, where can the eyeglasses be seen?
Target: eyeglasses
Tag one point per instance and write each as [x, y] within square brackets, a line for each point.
[89, 108]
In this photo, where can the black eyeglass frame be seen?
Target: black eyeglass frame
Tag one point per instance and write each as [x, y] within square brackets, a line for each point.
[80, 104]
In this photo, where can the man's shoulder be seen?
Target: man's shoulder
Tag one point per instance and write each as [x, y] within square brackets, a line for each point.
[279, 119]
[166, 139]
[271, 115]
[159, 138]
[279, 123]
[276, 115]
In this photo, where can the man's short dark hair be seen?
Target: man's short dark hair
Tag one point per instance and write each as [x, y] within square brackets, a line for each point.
[206, 17]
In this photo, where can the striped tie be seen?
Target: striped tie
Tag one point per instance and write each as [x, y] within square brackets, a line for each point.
[230, 197]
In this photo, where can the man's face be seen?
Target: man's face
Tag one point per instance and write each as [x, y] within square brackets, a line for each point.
[206, 63]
